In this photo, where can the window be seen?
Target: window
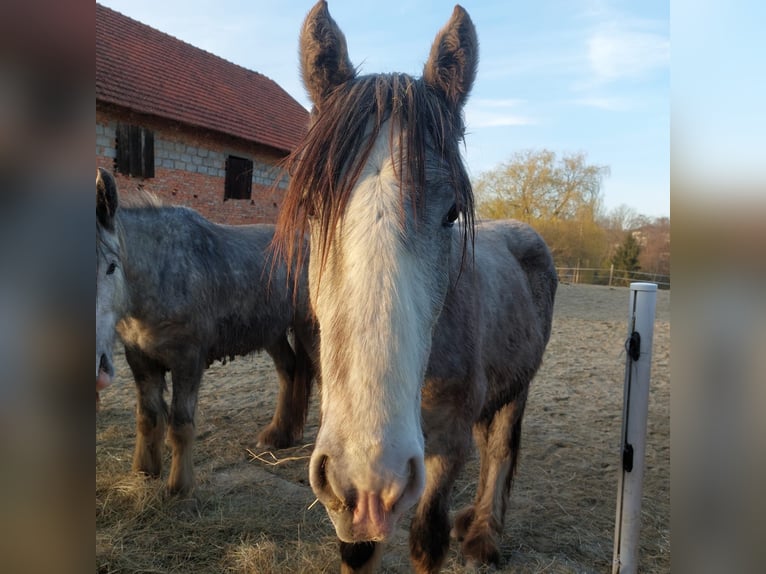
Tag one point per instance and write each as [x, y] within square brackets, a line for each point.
[239, 178]
[135, 151]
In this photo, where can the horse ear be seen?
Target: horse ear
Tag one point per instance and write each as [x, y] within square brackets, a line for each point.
[451, 67]
[107, 199]
[324, 55]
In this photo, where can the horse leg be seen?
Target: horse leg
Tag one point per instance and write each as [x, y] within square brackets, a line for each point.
[151, 412]
[464, 518]
[294, 375]
[360, 557]
[448, 441]
[479, 527]
[186, 379]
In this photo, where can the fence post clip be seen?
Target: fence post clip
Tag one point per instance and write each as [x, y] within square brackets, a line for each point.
[633, 346]
[627, 457]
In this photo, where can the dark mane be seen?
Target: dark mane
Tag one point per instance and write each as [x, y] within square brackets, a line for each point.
[326, 165]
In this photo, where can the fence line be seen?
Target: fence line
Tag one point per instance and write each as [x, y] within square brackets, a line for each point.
[610, 276]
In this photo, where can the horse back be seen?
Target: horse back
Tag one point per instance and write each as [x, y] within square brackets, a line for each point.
[496, 320]
[196, 283]
[538, 272]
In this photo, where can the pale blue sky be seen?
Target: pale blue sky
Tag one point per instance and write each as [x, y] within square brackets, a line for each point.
[719, 90]
[588, 76]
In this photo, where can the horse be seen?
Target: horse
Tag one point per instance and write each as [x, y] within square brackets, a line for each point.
[182, 292]
[431, 332]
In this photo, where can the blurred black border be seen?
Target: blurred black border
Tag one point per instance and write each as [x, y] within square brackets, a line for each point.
[47, 118]
[718, 208]
[47, 114]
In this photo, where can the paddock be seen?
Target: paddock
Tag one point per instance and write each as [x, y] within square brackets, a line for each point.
[255, 510]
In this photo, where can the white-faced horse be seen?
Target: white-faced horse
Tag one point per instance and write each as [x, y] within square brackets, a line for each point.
[425, 338]
[423, 341]
[182, 292]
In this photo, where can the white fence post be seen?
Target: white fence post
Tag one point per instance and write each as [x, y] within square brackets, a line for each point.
[643, 300]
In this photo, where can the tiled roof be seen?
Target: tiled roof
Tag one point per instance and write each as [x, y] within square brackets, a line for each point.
[150, 72]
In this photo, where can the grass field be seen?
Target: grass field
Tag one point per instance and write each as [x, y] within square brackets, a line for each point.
[255, 511]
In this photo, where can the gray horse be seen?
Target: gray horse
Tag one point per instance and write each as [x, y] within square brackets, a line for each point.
[182, 292]
[425, 341]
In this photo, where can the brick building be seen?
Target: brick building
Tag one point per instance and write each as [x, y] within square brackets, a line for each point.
[189, 126]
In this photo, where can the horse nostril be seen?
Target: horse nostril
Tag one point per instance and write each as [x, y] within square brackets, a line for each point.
[322, 486]
[415, 483]
[350, 500]
[320, 473]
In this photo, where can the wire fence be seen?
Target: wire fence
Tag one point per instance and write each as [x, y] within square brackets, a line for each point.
[610, 276]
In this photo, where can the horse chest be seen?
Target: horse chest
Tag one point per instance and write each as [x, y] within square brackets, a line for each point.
[140, 334]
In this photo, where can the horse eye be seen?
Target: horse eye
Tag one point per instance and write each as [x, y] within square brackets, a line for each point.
[111, 269]
[451, 216]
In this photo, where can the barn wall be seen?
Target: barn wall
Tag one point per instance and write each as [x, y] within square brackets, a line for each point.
[189, 167]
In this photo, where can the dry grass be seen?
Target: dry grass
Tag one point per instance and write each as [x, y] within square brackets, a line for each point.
[238, 522]
[254, 512]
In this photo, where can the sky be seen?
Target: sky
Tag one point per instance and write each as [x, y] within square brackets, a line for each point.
[718, 95]
[571, 76]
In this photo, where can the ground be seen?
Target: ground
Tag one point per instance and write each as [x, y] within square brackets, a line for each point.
[256, 514]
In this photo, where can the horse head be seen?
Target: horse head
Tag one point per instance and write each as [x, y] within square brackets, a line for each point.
[378, 183]
[110, 289]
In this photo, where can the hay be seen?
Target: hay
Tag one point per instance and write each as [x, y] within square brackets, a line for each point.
[271, 459]
[256, 513]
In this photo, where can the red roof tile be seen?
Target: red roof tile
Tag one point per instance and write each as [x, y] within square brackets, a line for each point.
[151, 72]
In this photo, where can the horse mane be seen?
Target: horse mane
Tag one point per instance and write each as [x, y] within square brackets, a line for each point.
[141, 198]
[326, 165]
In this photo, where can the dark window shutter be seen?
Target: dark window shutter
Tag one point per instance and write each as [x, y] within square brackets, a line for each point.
[135, 151]
[148, 152]
[123, 149]
[239, 178]
[228, 188]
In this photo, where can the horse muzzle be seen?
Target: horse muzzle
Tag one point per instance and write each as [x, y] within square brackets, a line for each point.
[104, 373]
[369, 513]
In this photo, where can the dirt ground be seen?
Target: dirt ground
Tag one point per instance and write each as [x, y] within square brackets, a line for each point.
[256, 514]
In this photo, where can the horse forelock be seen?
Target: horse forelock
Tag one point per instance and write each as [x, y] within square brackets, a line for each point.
[326, 165]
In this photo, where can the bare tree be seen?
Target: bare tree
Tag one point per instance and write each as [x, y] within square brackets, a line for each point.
[560, 197]
[621, 219]
[655, 246]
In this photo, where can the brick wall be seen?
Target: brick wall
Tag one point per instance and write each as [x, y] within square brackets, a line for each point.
[190, 168]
